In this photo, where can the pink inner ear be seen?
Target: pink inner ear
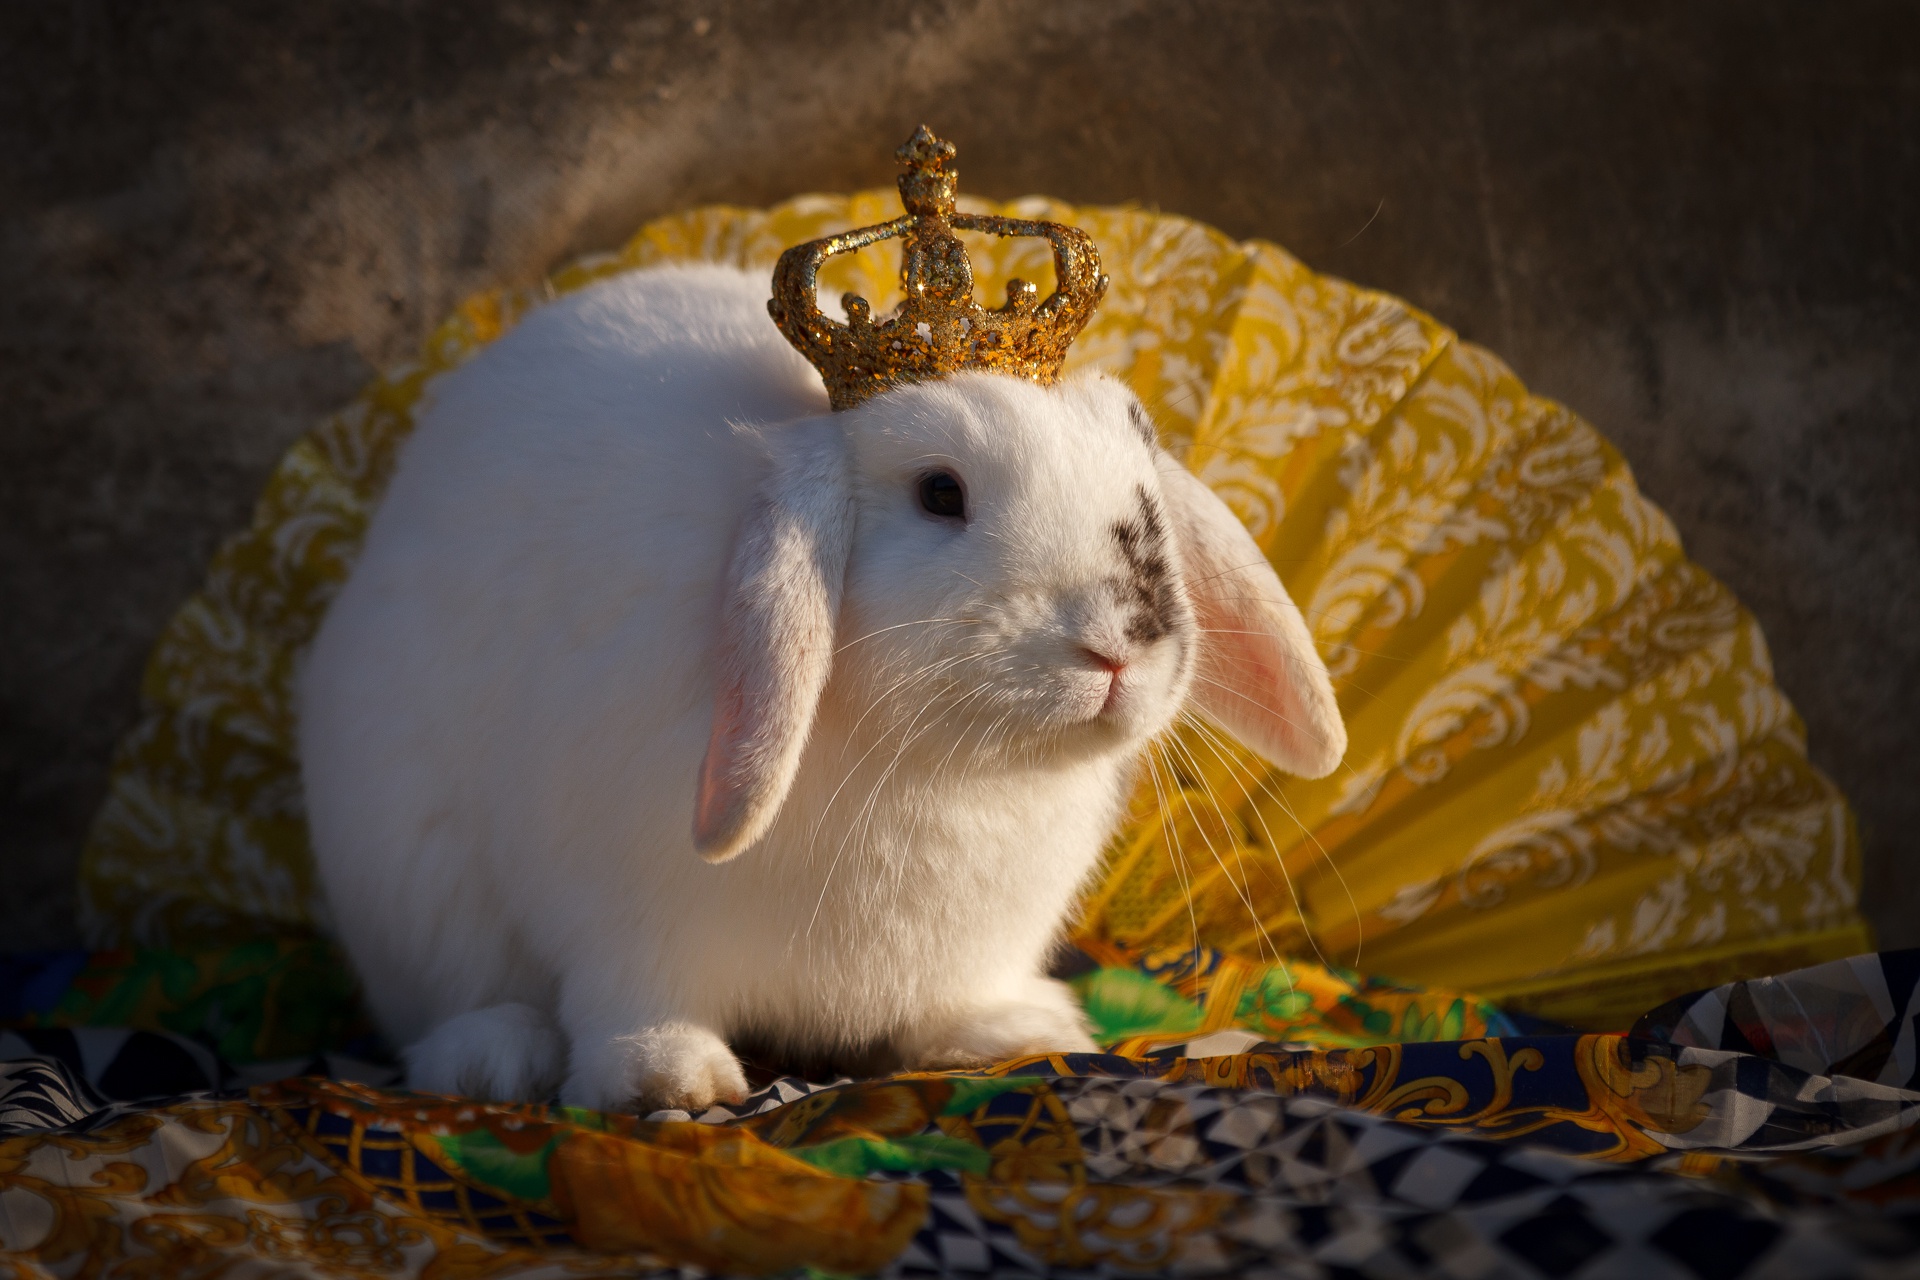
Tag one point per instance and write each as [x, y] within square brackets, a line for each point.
[776, 640]
[717, 797]
[1253, 683]
[1259, 674]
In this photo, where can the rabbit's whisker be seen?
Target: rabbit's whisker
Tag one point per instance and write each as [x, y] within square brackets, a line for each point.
[862, 823]
[1245, 697]
[1306, 611]
[917, 622]
[1326, 856]
[959, 738]
[1263, 779]
[879, 740]
[1343, 764]
[1182, 871]
[869, 812]
[919, 811]
[1345, 682]
[1372, 653]
[989, 745]
[1241, 891]
[918, 673]
[1224, 752]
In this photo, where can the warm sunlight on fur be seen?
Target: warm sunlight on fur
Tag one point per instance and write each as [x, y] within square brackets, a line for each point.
[663, 707]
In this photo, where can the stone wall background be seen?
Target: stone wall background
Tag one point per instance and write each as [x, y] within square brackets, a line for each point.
[1696, 223]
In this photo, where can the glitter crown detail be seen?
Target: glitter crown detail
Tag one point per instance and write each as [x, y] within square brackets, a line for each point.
[938, 329]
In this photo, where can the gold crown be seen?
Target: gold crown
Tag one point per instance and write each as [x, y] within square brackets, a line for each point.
[938, 329]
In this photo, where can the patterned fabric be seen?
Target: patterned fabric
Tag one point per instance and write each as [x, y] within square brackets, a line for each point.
[1207, 1003]
[1858, 1017]
[1573, 786]
[1079, 1165]
[264, 999]
[280, 1006]
[1499, 1155]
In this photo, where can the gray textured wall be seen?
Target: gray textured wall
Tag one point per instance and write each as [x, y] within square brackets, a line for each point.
[1697, 223]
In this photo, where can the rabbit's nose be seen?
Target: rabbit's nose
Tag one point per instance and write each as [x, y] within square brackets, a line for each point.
[1106, 662]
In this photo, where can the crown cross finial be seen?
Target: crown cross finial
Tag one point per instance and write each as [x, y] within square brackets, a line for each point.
[927, 187]
[938, 328]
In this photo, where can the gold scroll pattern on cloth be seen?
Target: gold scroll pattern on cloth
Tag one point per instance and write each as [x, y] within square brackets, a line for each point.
[1572, 786]
[202, 1186]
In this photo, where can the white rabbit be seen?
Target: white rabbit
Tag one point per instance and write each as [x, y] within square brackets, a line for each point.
[664, 706]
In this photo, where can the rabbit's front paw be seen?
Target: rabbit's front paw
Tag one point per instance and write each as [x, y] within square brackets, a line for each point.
[1047, 1021]
[670, 1065]
[503, 1053]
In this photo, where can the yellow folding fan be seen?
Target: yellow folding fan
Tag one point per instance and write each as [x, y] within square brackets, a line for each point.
[1572, 786]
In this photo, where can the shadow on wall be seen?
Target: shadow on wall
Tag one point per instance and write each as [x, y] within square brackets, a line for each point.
[1695, 232]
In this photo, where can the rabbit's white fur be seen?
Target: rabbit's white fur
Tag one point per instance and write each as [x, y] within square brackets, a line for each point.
[636, 603]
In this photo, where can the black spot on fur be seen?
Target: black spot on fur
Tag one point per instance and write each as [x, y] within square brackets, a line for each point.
[1148, 582]
[1143, 424]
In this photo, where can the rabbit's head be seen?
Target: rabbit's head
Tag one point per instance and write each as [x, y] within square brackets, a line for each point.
[989, 570]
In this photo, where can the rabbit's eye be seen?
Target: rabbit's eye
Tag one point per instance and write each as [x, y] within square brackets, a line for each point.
[941, 495]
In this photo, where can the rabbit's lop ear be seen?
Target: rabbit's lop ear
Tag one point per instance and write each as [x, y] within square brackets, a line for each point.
[776, 637]
[1258, 674]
